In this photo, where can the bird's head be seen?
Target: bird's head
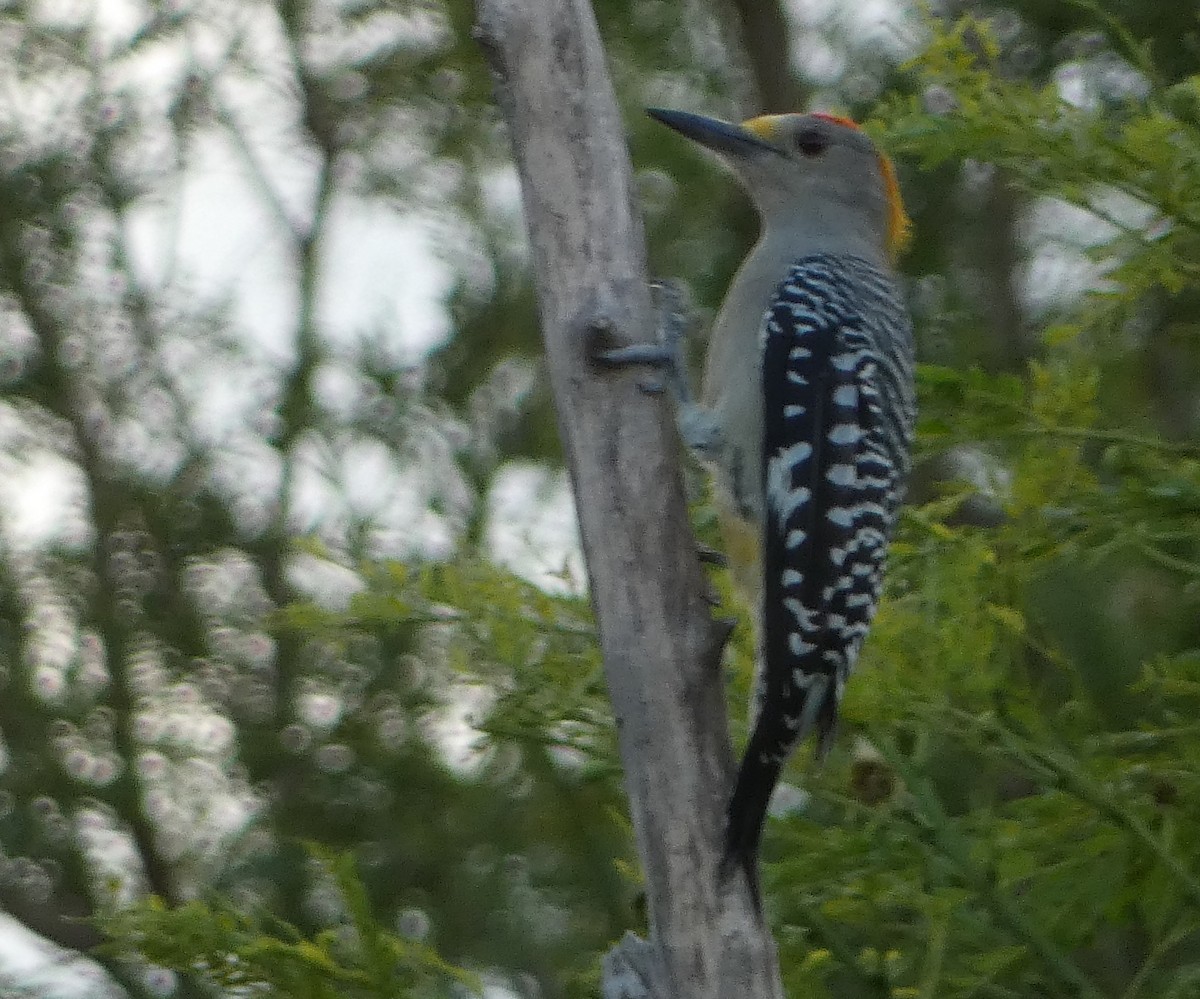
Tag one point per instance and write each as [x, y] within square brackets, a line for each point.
[808, 171]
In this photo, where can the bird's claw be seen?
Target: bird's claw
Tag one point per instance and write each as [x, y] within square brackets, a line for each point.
[651, 354]
[697, 426]
[700, 429]
[666, 353]
[710, 556]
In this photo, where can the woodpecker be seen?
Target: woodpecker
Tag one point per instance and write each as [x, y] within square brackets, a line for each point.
[806, 422]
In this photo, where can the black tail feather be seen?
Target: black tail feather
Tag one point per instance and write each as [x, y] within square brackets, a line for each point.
[756, 780]
[746, 816]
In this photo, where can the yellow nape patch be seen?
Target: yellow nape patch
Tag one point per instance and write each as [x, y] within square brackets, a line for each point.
[899, 224]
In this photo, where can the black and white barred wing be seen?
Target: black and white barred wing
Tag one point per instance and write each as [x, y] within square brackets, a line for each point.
[832, 469]
[837, 420]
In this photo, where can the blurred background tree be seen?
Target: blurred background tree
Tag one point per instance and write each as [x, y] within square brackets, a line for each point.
[286, 544]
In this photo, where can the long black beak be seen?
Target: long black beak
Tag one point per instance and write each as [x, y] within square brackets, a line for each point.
[721, 136]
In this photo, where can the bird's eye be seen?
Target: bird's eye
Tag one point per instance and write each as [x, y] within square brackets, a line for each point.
[810, 142]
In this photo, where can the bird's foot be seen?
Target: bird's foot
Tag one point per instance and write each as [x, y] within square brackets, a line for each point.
[698, 426]
[700, 429]
[666, 353]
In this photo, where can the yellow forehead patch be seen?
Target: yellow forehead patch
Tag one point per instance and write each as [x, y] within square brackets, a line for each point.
[764, 126]
[899, 233]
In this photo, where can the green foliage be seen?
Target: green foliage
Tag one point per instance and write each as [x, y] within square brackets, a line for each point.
[1011, 811]
[260, 955]
[542, 736]
[1017, 813]
[1143, 150]
[1012, 807]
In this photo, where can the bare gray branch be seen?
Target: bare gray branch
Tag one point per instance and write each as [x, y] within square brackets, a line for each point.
[661, 648]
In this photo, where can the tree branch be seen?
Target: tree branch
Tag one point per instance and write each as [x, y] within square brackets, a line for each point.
[765, 36]
[661, 647]
[64, 395]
